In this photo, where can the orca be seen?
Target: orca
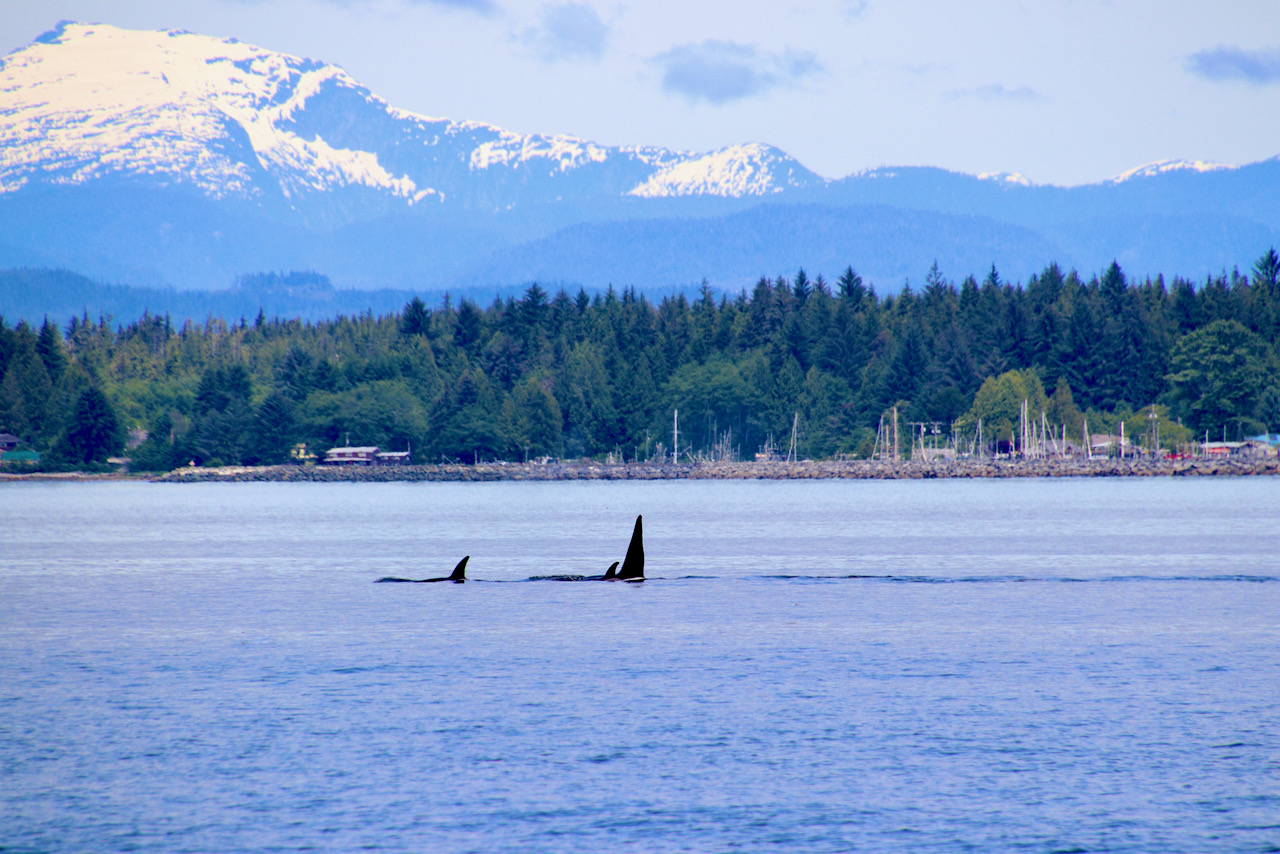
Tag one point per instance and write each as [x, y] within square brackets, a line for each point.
[633, 563]
[458, 577]
[609, 575]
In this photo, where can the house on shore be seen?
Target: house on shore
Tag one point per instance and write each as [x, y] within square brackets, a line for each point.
[1108, 444]
[1254, 448]
[361, 455]
[1264, 444]
[365, 455]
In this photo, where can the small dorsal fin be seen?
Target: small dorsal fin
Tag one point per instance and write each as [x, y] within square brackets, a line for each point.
[612, 572]
[460, 571]
[633, 563]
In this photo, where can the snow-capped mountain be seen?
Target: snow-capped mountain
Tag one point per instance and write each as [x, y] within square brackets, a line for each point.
[173, 158]
[1164, 167]
[736, 171]
[87, 102]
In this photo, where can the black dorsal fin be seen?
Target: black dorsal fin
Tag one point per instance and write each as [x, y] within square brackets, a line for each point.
[633, 563]
[612, 572]
[460, 571]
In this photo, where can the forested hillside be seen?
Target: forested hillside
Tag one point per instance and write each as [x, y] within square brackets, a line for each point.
[569, 376]
[37, 293]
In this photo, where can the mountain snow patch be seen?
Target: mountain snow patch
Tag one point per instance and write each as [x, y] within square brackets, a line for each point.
[1015, 178]
[1162, 166]
[735, 171]
[93, 100]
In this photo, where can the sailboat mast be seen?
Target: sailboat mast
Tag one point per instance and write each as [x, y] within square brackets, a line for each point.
[675, 436]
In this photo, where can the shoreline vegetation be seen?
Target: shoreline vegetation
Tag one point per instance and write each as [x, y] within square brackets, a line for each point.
[795, 368]
[774, 470]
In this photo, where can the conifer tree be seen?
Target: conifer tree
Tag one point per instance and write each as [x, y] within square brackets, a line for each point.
[1219, 373]
[416, 319]
[94, 432]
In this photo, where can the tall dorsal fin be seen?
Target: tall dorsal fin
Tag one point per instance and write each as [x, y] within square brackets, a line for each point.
[633, 563]
[460, 571]
[612, 572]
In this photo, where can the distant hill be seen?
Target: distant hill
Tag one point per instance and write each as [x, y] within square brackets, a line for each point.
[735, 250]
[33, 294]
[171, 159]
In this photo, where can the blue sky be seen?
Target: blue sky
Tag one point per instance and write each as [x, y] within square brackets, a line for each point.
[1061, 91]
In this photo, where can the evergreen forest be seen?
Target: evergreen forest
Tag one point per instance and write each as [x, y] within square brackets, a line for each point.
[574, 375]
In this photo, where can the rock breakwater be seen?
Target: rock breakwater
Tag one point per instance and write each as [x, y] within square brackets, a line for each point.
[806, 470]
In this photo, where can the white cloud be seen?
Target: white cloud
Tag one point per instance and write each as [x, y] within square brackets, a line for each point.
[483, 7]
[855, 8]
[1233, 63]
[568, 31]
[997, 92]
[722, 71]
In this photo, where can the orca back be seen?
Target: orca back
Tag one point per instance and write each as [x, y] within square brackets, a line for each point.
[460, 571]
[633, 563]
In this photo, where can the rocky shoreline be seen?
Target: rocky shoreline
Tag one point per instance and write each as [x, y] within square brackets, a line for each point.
[807, 470]
[71, 476]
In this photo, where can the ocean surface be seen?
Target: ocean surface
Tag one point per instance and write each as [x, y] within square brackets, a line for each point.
[871, 666]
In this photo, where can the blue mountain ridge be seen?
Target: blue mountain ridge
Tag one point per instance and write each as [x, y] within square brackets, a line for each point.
[464, 206]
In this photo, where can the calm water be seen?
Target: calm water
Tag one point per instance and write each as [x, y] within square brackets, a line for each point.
[1041, 666]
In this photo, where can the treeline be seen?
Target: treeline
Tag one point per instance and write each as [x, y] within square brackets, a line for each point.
[576, 375]
[37, 293]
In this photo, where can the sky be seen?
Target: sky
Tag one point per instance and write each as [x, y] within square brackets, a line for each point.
[1060, 91]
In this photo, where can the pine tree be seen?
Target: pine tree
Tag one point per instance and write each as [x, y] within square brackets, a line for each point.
[535, 421]
[52, 352]
[274, 431]
[1266, 270]
[26, 392]
[94, 432]
[415, 319]
[850, 286]
[907, 370]
[469, 327]
[801, 287]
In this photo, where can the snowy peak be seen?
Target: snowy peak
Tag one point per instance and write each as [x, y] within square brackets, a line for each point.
[89, 101]
[301, 142]
[1162, 167]
[1016, 179]
[738, 170]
